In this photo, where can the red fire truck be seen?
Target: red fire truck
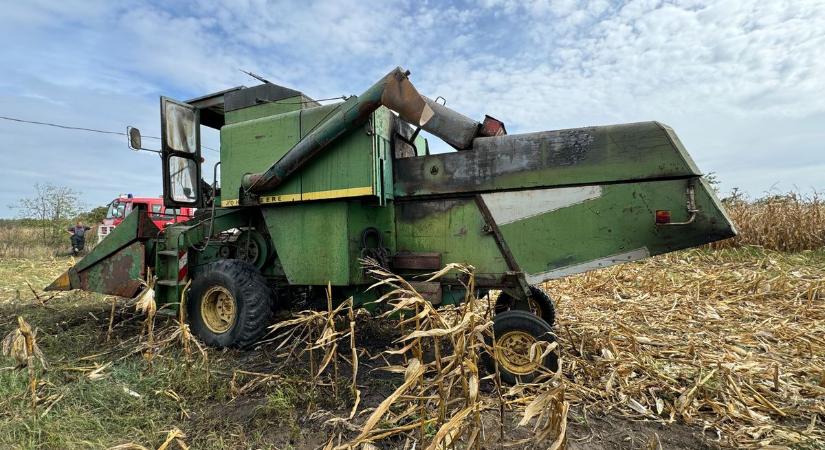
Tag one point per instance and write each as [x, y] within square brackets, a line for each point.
[120, 207]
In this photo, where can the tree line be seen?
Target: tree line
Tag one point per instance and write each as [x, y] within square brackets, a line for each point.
[51, 209]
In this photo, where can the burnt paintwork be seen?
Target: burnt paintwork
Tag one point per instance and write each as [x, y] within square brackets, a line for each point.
[618, 153]
[417, 210]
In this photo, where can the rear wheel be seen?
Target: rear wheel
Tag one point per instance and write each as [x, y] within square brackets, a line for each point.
[230, 304]
[538, 303]
[516, 333]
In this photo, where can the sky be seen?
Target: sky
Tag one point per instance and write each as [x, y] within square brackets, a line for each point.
[742, 82]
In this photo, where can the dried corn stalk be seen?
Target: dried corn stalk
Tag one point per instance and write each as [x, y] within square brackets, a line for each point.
[442, 393]
[21, 344]
[146, 305]
[173, 436]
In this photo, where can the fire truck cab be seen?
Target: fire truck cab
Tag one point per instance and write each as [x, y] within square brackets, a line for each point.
[120, 207]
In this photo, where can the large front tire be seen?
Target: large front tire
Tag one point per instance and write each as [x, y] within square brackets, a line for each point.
[229, 304]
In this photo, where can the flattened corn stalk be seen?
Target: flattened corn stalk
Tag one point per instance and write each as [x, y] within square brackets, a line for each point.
[715, 339]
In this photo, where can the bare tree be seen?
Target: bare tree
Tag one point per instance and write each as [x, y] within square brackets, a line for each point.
[51, 207]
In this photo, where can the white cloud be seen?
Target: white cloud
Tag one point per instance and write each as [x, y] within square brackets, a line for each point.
[741, 81]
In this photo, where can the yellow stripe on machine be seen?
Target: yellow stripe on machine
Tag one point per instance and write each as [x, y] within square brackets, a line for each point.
[317, 195]
[280, 198]
[337, 193]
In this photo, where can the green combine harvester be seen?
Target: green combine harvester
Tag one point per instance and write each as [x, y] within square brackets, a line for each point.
[306, 191]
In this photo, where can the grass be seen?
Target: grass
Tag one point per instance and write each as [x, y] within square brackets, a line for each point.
[94, 413]
[104, 412]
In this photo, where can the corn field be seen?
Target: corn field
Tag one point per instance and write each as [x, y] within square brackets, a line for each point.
[791, 222]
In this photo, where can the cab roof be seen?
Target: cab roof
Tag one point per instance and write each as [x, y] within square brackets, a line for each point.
[214, 106]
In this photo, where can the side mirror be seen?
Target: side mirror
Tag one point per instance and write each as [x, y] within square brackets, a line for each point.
[135, 142]
[134, 138]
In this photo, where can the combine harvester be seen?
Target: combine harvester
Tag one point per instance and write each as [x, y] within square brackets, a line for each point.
[307, 190]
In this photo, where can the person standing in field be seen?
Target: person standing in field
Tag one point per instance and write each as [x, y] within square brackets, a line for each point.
[78, 233]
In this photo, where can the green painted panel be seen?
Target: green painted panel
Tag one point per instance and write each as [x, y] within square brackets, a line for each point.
[253, 146]
[121, 236]
[363, 216]
[312, 117]
[320, 242]
[452, 227]
[620, 220]
[351, 167]
[348, 164]
[311, 241]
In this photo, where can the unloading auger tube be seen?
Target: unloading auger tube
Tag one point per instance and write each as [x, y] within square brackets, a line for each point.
[394, 91]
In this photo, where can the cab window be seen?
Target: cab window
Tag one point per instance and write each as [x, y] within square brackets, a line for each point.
[156, 212]
[169, 213]
[116, 210]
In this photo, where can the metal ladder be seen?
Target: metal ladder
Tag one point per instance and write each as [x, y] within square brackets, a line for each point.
[171, 270]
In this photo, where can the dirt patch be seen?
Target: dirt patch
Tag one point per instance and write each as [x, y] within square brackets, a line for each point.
[611, 432]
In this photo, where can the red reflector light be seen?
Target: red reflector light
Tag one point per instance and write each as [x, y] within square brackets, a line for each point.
[662, 216]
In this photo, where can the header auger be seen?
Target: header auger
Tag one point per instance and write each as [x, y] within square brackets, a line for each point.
[306, 190]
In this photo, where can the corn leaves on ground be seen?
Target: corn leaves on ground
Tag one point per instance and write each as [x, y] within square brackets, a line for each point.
[729, 342]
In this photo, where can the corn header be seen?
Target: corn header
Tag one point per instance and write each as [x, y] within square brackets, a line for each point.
[306, 191]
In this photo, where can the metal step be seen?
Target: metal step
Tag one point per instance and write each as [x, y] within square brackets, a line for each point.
[168, 253]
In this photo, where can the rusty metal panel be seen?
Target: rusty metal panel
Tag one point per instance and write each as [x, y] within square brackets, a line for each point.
[492, 127]
[429, 290]
[416, 261]
[119, 274]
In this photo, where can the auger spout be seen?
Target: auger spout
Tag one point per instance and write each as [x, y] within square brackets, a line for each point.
[394, 91]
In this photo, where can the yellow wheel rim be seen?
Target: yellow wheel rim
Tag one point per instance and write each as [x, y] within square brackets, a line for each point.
[513, 353]
[535, 307]
[218, 309]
